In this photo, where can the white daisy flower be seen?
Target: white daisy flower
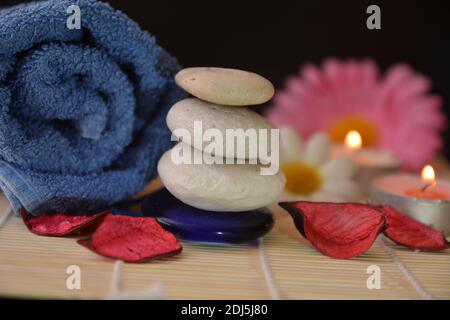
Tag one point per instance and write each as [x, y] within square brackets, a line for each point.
[311, 173]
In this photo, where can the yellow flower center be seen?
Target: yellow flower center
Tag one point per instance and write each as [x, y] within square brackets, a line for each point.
[301, 178]
[365, 128]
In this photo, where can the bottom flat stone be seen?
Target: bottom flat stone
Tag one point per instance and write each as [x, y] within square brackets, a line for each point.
[192, 224]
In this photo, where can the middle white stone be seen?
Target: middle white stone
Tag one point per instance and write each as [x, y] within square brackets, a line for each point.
[243, 133]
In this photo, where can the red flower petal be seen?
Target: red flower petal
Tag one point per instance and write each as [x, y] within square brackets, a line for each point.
[132, 239]
[338, 230]
[406, 231]
[60, 224]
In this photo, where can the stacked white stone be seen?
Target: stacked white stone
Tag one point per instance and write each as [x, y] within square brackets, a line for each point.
[221, 96]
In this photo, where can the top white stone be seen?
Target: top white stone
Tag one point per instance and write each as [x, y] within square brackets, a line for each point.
[230, 87]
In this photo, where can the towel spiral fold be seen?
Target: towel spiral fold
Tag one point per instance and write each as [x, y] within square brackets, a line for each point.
[82, 111]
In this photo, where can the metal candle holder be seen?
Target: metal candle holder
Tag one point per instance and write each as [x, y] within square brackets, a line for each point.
[435, 213]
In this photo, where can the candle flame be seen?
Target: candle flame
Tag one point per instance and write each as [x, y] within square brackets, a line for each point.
[353, 140]
[428, 174]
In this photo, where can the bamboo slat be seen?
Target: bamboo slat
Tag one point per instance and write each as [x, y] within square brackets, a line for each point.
[303, 273]
[431, 269]
[35, 267]
[284, 266]
[203, 272]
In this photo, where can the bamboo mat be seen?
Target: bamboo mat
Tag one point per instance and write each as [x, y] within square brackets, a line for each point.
[280, 266]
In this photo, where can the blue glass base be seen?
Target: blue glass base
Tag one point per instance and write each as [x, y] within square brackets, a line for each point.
[192, 224]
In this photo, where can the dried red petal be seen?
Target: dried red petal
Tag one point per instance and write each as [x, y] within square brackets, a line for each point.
[132, 239]
[60, 224]
[338, 230]
[406, 231]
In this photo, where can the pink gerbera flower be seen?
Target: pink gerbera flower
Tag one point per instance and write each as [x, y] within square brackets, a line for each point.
[393, 112]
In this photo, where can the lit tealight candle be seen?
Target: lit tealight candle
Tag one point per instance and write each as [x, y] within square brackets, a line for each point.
[427, 190]
[422, 197]
[353, 140]
[372, 162]
[363, 156]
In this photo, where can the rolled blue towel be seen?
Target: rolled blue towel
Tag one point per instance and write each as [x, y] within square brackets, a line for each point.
[82, 111]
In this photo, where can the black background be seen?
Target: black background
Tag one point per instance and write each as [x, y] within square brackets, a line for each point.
[274, 38]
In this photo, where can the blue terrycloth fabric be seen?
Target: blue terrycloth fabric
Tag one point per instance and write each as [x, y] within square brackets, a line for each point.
[82, 112]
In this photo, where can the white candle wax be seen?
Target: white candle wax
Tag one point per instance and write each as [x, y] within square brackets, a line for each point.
[367, 157]
[372, 163]
[404, 184]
